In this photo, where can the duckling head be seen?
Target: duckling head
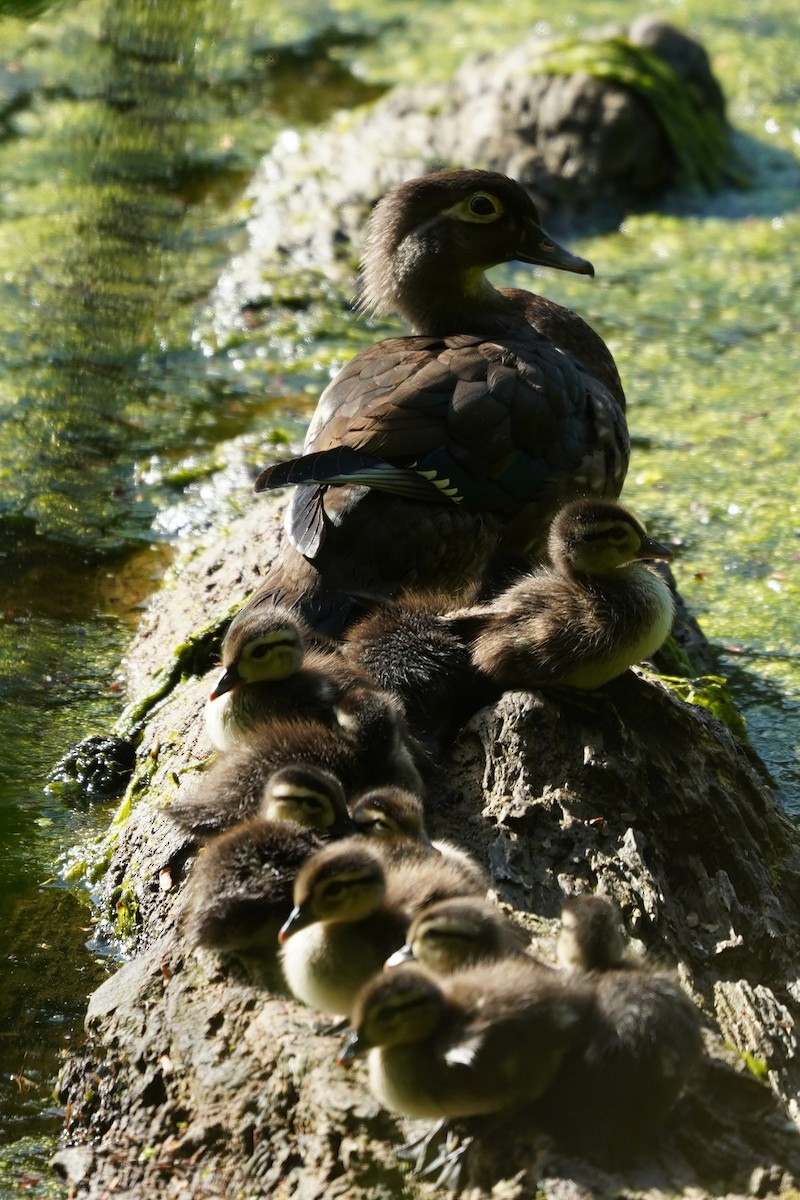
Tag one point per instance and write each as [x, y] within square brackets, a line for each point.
[434, 237]
[263, 644]
[306, 794]
[598, 537]
[455, 933]
[591, 937]
[395, 1009]
[390, 813]
[342, 883]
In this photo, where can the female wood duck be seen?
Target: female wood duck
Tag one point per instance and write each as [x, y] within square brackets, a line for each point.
[451, 934]
[353, 902]
[274, 665]
[368, 746]
[480, 1041]
[622, 1076]
[500, 406]
[240, 888]
[584, 620]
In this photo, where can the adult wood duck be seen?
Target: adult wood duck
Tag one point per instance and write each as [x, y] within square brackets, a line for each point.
[368, 746]
[624, 1073]
[274, 665]
[240, 888]
[353, 903]
[584, 620]
[500, 406]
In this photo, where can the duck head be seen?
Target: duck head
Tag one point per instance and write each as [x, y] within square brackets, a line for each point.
[343, 882]
[395, 1009]
[431, 240]
[262, 644]
[306, 794]
[590, 937]
[598, 537]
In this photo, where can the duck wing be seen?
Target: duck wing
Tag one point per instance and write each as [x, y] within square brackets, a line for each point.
[492, 425]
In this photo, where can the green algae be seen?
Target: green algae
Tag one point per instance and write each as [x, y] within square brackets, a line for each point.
[711, 692]
[698, 136]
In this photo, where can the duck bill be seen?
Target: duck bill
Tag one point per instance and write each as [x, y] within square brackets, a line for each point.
[404, 955]
[297, 919]
[351, 1048]
[650, 548]
[226, 682]
[536, 246]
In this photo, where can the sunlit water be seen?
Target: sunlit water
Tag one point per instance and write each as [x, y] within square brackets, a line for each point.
[122, 167]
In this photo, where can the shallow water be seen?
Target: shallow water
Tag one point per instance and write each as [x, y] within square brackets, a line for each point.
[122, 176]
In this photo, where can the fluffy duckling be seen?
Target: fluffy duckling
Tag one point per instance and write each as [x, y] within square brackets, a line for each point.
[353, 903]
[240, 889]
[457, 933]
[368, 745]
[481, 1041]
[584, 620]
[412, 653]
[430, 452]
[394, 813]
[274, 665]
[624, 1073]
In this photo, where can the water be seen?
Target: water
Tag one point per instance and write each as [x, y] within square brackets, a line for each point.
[127, 133]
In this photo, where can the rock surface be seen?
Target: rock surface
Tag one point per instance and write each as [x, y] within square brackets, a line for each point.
[197, 1080]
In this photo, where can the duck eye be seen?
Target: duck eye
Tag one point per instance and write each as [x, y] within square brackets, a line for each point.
[259, 650]
[481, 205]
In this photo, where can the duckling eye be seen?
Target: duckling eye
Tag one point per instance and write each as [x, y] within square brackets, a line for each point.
[481, 205]
[259, 650]
[333, 890]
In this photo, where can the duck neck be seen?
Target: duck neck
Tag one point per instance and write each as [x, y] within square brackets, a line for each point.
[436, 294]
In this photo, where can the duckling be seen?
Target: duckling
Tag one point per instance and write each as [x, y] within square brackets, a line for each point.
[429, 454]
[461, 932]
[394, 813]
[240, 888]
[271, 668]
[478, 1042]
[619, 1081]
[352, 906]
[410, 651]
[368, 745]
[584, 620]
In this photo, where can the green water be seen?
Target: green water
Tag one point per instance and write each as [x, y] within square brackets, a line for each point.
[127, 133]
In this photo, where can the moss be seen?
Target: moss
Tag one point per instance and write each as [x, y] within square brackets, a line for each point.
[697, 134]
[126, 911]
[711, 692]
